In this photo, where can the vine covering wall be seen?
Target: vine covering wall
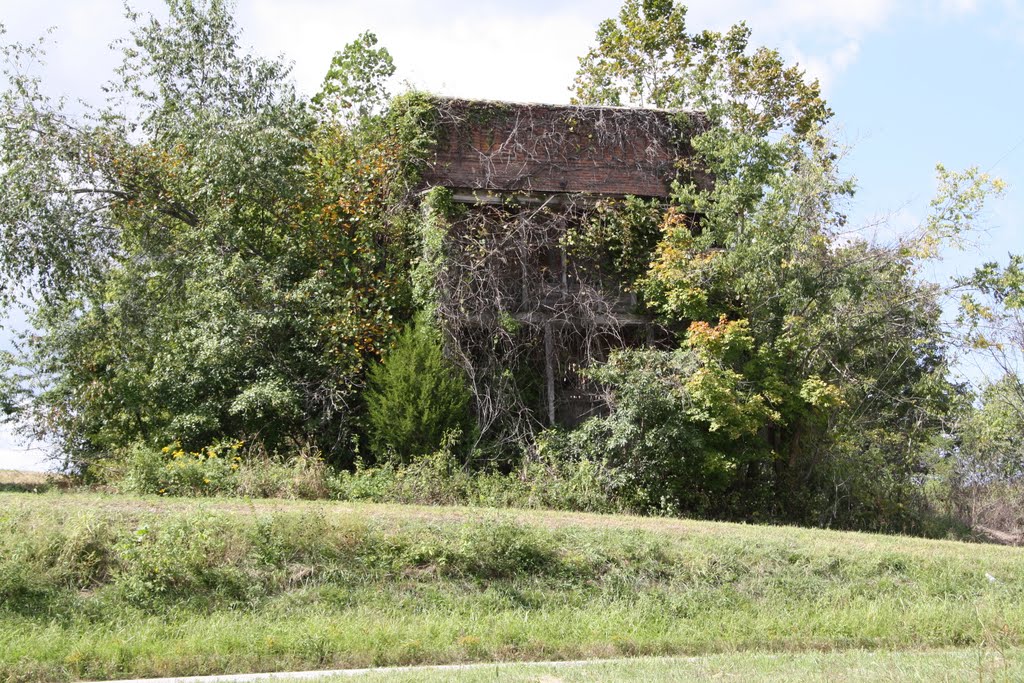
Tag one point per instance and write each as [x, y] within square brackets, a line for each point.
[533, 225]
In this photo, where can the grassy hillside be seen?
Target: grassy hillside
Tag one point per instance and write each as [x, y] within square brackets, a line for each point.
[96, 587]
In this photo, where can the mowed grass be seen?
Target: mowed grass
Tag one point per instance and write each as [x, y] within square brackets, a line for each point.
[858, 666]
[97, 587]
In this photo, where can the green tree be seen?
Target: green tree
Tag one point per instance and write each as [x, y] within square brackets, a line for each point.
[645, 57]
[992, 319]
[356, 82]
[811, 365]
[415, 397]
[211, 259]
[992, 447]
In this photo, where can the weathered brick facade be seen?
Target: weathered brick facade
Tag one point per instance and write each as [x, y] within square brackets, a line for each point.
[513, 302]
[502, 147]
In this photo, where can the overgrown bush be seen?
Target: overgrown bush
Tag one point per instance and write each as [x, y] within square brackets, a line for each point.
[223, 469]
[441, 478]
[214, 256]
[414, 397]
[655, 437]
[438, 478]
[996, 507]
[984, 474]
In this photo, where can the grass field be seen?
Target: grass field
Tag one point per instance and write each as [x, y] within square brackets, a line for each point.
[95, 587]
[858, 666]
[17, 480]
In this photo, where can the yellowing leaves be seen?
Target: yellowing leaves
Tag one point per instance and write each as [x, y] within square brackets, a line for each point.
[820, 393]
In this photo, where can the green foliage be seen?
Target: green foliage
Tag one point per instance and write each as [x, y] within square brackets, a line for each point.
[415, 396]
[992, 317]
[214, 259]
[802, 353]
[992, 447]
[173, 565]
[816, 349]
[224, 469]
[615, 243]
[987, 468]
[438, 209]
[956, 209]
[244, 257]
[646, 58]
[673, 456]
[356, 82]
[552, 482]
[172, 471]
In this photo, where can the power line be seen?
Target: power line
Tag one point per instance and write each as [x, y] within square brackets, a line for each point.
[1008, 153]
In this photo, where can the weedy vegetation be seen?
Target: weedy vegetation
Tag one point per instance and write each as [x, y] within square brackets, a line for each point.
[95, 587]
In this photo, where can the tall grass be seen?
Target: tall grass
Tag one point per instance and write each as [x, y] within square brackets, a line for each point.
[439, 478]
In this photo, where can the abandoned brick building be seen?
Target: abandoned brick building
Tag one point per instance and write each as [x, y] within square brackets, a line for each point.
[521, 312]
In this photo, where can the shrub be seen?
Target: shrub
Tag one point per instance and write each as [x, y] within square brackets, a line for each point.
[667, 459]
[225, 468]
[185, 560]
[440, 479]
[173, 471]
[414, 397]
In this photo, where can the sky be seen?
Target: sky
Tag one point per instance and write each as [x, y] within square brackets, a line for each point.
[913, 83]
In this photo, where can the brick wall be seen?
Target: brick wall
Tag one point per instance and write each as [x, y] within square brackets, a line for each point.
[546, 148]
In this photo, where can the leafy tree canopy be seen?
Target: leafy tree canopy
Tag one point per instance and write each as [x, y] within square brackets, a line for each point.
[212, 257]
[805, 349]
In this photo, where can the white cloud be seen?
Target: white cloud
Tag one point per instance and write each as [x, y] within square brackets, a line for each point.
[469, 49]
[822, 36]
[825, 67]
[511, 51]
[519, 51]
[478, 48]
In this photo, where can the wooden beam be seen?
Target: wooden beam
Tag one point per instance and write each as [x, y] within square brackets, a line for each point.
[549, 370]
